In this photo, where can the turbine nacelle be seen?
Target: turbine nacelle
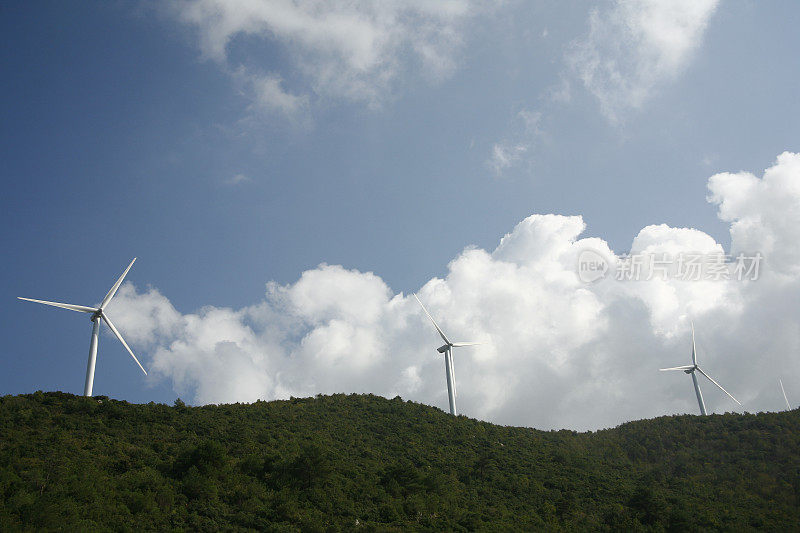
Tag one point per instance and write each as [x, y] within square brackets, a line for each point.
[443, 349]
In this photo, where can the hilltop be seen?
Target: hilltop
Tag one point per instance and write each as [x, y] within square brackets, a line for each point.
[342, 463]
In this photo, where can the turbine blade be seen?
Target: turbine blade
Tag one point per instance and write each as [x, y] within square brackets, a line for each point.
[441, 333]
[125, 344]
[694, 350]
[686, 367]
[113, 289]
[789, 407]
[461, 344]
[71, 307]
[718, 385]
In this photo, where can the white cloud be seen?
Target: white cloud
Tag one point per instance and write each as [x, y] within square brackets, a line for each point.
[634, 47]
[354, 50]
[764, 213]
[268, 95]
[512, 150]
[557, 352]
[505, 155]
[237, 179]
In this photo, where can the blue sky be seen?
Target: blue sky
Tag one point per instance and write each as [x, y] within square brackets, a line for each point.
[228, 148]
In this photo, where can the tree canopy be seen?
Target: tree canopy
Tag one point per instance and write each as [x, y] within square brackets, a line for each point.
[362, 462]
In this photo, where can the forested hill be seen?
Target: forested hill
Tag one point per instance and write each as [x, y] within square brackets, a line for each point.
[349, 463]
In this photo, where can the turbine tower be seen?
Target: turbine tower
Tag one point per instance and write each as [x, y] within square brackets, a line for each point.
[789, 407]
[447, 350]
[97, 313]
[690, 369]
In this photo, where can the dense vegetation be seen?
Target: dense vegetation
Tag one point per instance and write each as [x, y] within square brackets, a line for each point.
[342, 463]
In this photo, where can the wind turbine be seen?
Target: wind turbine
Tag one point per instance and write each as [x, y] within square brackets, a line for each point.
[447, 350]
[789, 407]
[690, 369]
[97, 314]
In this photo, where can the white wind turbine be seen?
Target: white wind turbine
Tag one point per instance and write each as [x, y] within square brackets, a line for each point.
[789, 407]
[690, 369]
[447, 350]
[97, 314]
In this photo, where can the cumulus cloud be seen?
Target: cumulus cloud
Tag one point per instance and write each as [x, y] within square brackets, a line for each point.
[763, 213]
[343, 49]
[556, 352]
[634, 47]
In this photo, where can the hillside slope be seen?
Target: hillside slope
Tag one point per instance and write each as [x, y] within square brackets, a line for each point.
[363, 462]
